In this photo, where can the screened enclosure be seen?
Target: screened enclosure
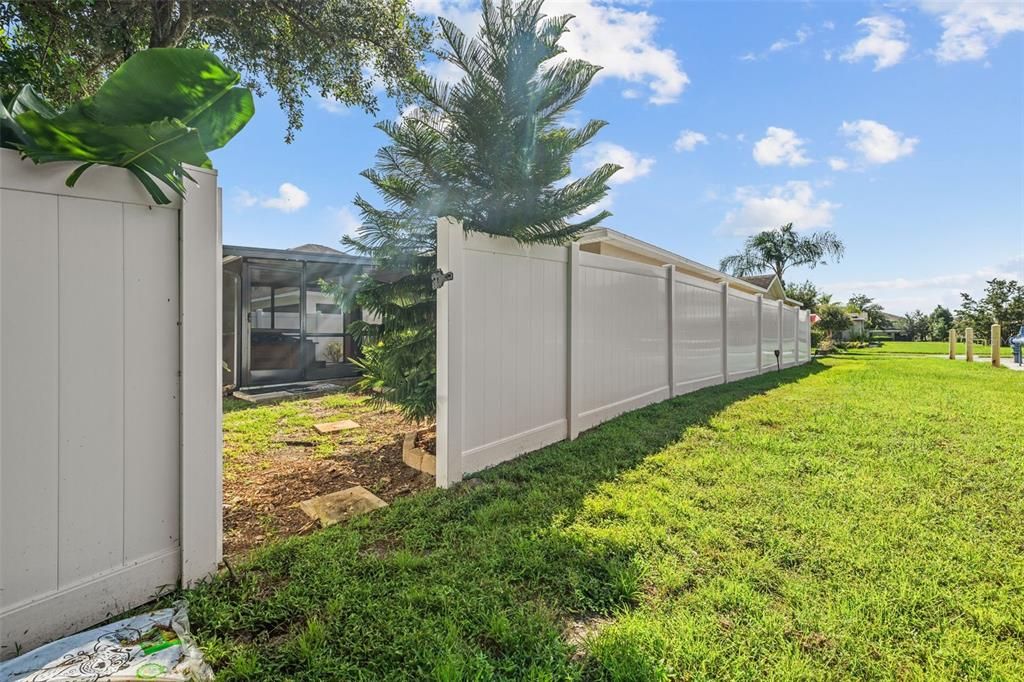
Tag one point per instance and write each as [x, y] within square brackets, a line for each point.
[282, 323]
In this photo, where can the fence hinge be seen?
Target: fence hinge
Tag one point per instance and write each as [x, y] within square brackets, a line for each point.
[439, 277]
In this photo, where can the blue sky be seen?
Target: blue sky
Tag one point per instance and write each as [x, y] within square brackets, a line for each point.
[898, 126]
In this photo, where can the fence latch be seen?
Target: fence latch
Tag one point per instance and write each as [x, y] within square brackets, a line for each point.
[439, 277]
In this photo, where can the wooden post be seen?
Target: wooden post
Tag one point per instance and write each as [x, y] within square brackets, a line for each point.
[952, 344]
[573, 363]
[969, 341]
[670, 280]
[450, 342]
[995, 340]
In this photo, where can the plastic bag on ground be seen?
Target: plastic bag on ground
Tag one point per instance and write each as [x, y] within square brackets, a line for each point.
[151, 646]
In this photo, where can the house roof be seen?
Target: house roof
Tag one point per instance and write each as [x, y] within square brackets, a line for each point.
[763, 281]
[315, 248]
[658, 254]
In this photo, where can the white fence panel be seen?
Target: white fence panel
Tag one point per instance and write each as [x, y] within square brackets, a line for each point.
[789, 322]
[804, 337]
[771, 324]
[536, 343]
[698, 333]
[623, 337]
[93, 504]
[742, 335]
[515, 349]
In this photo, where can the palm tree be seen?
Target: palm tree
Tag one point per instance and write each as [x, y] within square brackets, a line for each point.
[781, 249]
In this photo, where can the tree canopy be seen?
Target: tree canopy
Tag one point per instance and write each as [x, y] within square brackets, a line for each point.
[1003, 302]
[490, 150]
[780, 249]
[339, 49]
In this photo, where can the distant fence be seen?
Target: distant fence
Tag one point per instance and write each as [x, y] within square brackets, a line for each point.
[537, 343]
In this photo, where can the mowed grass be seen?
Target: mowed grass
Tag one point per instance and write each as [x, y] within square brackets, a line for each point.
[927, 348]
[857, 518]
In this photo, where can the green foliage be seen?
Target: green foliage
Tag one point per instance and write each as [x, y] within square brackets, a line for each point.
[807, 294]
[1003, 302]
[158, 110]
[337, 49]
[916, 326]
[335, 351]
[939, 324]
[491, 151]
[832, 319]
[834, 521]
[779, 249]
[864, 304]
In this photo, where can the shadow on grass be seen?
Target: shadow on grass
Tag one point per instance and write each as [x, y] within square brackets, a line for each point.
[470, 583]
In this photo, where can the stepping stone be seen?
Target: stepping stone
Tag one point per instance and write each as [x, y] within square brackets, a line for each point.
[334, 427]
[344, 504]
[417, 458]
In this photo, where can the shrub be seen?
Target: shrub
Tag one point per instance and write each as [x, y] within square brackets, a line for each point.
[334, 351]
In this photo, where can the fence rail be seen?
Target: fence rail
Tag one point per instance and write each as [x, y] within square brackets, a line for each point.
[537, 343]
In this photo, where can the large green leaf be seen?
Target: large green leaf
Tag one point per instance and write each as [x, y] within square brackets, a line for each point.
[192, 86]
[161, 109]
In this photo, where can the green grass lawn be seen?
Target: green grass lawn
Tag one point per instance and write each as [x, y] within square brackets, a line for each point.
[928, 348]
[857, 518]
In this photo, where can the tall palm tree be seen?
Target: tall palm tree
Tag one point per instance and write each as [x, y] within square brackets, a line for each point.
[780, 249]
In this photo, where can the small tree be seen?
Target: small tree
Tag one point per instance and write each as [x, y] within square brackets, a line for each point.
[939, 323]
[806, 293]
[832, 319]
[865, 304]
[916, 326]
[489, 150]
[780, 249]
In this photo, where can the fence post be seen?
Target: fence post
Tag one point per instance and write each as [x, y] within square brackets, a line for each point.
[969, 342]
[952, 344]
[670, 277]
[995, 339]
[725, 332]
[758, 303]
[782, 308]
[572, 362]
[450, 343]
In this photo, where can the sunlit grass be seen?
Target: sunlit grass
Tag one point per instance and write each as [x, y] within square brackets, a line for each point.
[858, 518]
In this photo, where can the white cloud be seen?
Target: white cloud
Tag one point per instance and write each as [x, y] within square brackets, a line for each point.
[828, 25]
[802, 34]
[688, 140]
[633, 166]
[901, 295]
[838, 164]
[346, 221]
[971, 29]
[780, 146]
[877, 143]
[885, 42]
[619, 39]
[623, 42]
[331, 105]
[289, 199]
[793, 202]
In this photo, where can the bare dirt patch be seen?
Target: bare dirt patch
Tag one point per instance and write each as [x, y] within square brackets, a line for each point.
[274, 459]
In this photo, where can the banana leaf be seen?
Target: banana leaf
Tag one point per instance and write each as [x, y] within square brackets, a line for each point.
[27, 99]
[160, 109]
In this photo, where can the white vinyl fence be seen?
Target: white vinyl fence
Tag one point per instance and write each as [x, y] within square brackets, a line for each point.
[109, 403]
[537, 343]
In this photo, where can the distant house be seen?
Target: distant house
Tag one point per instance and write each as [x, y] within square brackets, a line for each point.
[609, 242]
[279, 325]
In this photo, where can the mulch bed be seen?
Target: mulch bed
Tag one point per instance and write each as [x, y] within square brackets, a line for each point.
[260, 497]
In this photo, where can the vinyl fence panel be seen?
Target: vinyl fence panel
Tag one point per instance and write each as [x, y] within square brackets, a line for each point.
[742, 335]
[789, 322]
[698, 333]
[537, 343]
[91, 402]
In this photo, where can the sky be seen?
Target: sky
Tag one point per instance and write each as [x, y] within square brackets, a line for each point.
[898, 126]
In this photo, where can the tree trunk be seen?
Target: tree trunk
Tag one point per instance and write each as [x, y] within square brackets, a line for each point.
[168, 29]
